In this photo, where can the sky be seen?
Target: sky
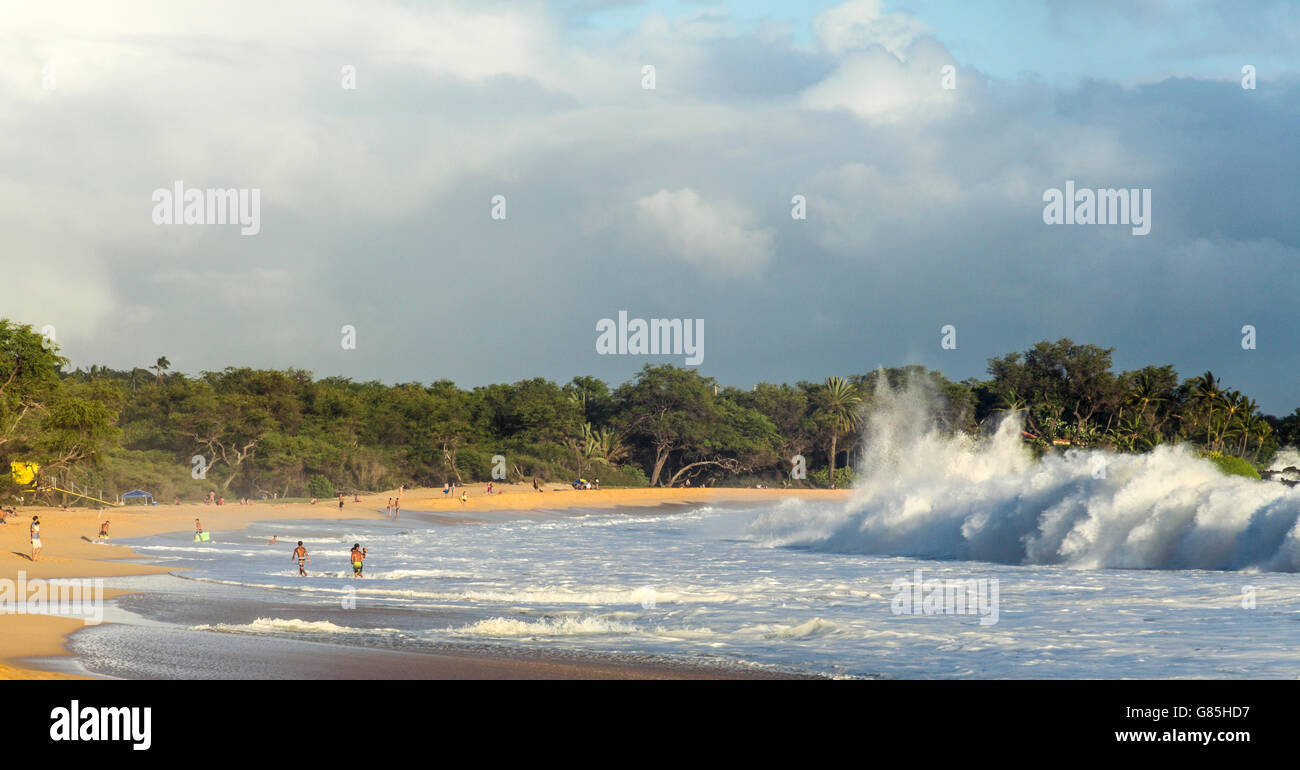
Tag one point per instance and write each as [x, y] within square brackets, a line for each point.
[923, 187]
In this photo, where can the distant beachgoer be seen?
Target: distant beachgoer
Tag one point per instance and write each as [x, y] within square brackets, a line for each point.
[273, 539]
[397, 507]
[388, 509]
[464, 497]
[103, 531]
[176, 500]
[35, 534]
[300, 554]
[340, 501]
[198, 528]
[595, 484]
[356, 498]
[446, 489]
[313, 501]
[535, 487]
[489, 488]
[358, 559]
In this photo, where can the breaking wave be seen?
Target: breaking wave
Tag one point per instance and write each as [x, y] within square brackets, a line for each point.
[925, 493]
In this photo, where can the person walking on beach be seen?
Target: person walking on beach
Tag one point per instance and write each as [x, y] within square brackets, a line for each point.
[300, 554]
[103, 531]
[35, 533]
[358, 560]
[340, 501]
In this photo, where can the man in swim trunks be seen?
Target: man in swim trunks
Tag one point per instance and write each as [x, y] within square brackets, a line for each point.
[35, 533]
[358, 560]
[300, 554]
[103, 531]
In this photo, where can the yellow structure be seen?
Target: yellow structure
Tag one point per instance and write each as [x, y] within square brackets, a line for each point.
[24, 474]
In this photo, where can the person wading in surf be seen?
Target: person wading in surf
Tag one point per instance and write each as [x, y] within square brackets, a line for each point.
[300, 554]
[358, 560]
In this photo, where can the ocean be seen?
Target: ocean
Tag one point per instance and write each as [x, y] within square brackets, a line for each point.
[955, 557]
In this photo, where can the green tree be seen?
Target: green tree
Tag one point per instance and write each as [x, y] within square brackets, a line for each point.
[838, 405]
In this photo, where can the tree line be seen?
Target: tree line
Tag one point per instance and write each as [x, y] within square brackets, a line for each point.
[244, 432]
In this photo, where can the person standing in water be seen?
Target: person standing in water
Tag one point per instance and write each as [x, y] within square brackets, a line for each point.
[35, 534]
[300, 554]
[358, 560]
[103, 531]
[388, 509]
[397, 507]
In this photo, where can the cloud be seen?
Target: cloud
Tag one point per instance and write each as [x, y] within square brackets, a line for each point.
[860, 24]
[924, 205]
[718, 238]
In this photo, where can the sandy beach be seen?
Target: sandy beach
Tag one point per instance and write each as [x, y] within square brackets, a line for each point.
[70, 552]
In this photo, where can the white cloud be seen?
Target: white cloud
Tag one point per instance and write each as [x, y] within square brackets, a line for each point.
[859, 24]
[718, 238]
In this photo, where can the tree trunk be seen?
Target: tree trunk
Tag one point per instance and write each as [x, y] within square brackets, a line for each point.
[661, 457]
[835, 437]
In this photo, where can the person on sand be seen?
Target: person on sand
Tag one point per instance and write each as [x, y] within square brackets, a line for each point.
[340, 501]
[446, 489]
[464, 496]
[103, 531]
[489, 488]
[358, 560]
[35, 534]
[535, 487]
[300, 554]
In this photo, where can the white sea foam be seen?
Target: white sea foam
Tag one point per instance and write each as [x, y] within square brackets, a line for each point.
[565, 626]
[928, 494]
[292, 626]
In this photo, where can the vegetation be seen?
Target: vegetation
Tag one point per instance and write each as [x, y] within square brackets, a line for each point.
[248, 432]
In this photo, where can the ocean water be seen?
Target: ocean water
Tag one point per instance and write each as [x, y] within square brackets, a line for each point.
[1104, 565]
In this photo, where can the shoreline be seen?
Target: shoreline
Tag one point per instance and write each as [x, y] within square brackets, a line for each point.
[70, 552]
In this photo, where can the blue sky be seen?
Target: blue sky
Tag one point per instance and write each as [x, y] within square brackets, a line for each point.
[1061, 42]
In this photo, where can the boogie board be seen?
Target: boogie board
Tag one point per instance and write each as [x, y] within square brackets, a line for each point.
[202, 537]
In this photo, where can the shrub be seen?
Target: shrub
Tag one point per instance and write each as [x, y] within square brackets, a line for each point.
[319, 486]
[1232, 465]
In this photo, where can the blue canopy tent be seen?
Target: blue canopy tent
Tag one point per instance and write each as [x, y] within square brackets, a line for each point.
[138, 494]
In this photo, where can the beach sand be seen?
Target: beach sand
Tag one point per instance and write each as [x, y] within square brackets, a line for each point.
[70, 552]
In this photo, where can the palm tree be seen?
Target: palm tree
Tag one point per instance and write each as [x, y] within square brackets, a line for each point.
[1232, 404]
[160, 366]
[839, 405]
[1207, 394]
